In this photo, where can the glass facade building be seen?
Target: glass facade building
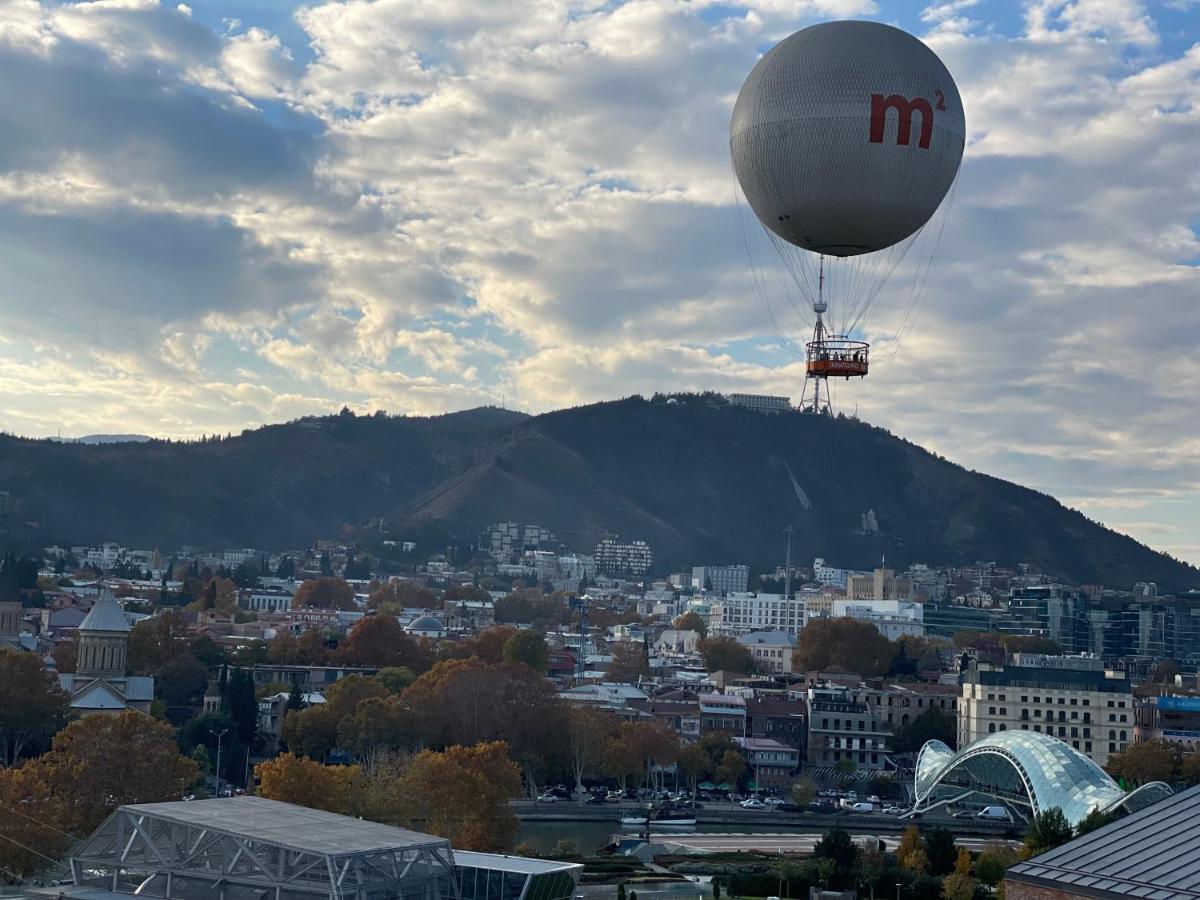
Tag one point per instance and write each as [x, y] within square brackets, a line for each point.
[1027, 773]
[250, 848]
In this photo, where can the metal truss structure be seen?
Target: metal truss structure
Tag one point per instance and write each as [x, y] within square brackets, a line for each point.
[247, 848]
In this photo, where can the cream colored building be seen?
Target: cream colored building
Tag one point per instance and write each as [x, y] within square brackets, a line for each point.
[882, 584]
[1071, 698]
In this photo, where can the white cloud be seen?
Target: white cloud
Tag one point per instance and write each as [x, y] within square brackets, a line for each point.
[435, 204]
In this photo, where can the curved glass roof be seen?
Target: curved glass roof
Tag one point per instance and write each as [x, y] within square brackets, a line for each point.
[1048, 771]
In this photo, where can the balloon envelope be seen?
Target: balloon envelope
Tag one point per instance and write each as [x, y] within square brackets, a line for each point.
[846, 136]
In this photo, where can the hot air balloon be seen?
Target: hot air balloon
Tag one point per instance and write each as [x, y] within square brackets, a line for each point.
[845, 139]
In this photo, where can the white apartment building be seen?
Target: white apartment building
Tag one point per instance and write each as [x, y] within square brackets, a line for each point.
[891, 618]
[829, 576]
[721, 579]
[743, 612]
[763, 403]
[1072, 698]
[772, 651]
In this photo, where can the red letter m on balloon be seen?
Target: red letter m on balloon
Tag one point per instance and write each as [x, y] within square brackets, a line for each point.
[904, 110]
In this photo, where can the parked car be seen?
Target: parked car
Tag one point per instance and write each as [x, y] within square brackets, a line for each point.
[773, 801]
[862, 807]
[752, 803]
[596, 800]
[547, 798]
[873, 799]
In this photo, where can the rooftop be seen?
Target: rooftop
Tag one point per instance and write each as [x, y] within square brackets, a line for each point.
[1151, 854]
[286, 825]
[105, 615]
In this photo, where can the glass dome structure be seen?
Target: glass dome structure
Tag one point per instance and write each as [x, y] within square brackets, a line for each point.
[1026, 772]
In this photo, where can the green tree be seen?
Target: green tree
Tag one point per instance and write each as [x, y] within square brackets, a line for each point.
[940, 850]
[395, 678]
[1047, 831]
[182, 681]
[931, 725]
[993, 862]
[804, 791]
[528, 647]
[1094, 820]
[725, 654]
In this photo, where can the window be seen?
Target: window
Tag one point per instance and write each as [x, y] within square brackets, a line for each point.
[1037, 728]
[1112, 748]
[1074, 702]
[991, 710]
[1002, 726]
[1025, 727]
[1062, 730]
[1075, 744]
[1004, 710]
[1024, 698]
[1024, 715]
[991, 727]
[1124, 735]
[1087, 746]
[1075, 733]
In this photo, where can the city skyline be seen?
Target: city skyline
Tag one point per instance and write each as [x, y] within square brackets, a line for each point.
[224, 214]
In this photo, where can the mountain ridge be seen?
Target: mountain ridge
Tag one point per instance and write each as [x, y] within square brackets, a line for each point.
[702, 482]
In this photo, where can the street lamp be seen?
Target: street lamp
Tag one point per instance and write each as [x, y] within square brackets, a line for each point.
[219, 737]
[897, 890]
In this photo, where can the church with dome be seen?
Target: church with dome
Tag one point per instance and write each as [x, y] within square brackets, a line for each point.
[99, 684]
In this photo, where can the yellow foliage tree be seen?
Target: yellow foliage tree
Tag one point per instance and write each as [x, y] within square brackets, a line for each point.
[295, 779]
[462, 794]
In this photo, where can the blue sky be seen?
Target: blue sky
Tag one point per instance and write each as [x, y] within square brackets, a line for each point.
[222, 214]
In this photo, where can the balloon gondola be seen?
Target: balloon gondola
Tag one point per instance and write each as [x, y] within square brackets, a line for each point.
[845, 139]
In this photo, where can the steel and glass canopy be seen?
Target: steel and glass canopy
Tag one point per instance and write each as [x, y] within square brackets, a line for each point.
[1026, 771]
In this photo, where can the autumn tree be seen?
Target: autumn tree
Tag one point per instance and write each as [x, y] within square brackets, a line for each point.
[32, 706]
[325, 592]
[844, 644]
[1147, 761]
[588, 731]
[725, 654]
[691, 621]
[311, 732]
[393, 596]
[911, 844]
[467, 701]
[527, 647]
[462, 793]
[156, 641]
[487, 645]
[378, 726]
[35, 819]
[378, 641]
[959, 885]
[306, 650]
[629, 663]
[102, 762]
[294, 779]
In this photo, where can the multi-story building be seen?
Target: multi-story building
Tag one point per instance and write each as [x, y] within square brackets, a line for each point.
[763, 403]
[771, 763]
[721, 579]
[772, 651]
[892, 618]
[829, 576]
[1072, 698]
[783, 719]
[1169, 718]
[745, 612]
[722, 712]
[617, 558]
[882, 584]
[842, 725]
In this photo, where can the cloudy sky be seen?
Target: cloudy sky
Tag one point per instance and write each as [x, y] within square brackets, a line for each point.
[219, 214]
